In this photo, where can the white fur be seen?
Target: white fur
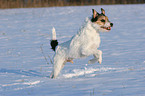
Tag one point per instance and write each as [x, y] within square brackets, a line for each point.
[83, 44]
[53, 34]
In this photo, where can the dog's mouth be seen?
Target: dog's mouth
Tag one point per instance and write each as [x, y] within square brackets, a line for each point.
[106, 28]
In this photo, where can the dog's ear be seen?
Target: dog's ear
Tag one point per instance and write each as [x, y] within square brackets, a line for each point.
[95, 13]
[103, 11]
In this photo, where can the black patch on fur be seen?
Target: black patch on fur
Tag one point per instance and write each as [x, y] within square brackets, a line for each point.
[103, 20]
[94, 19]
[102, 14]
[53, 44]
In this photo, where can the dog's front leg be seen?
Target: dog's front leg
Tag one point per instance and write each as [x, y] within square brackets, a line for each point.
[97, 57]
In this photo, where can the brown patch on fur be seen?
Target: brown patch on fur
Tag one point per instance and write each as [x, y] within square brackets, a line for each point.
[71, 61]
[101, 20]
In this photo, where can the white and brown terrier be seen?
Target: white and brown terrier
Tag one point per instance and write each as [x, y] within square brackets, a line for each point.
[83, 44]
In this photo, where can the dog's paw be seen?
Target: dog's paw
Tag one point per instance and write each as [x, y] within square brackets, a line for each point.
[52, 75]
[100, 60]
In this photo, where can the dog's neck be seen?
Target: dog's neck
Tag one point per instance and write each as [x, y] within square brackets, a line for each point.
[89, 27]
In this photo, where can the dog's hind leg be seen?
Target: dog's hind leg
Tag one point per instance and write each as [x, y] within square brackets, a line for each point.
[97, 57]
[59, 62]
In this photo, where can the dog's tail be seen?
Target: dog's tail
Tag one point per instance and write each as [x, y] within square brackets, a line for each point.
[53, 42]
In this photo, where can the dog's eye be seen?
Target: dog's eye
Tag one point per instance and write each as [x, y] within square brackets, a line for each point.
[102, 20]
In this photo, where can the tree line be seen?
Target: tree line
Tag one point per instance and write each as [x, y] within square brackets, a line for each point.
[50, 3]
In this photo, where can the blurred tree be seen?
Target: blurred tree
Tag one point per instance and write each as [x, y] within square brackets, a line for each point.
[48, 3]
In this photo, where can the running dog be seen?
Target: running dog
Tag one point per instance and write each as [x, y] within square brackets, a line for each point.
[83, 44]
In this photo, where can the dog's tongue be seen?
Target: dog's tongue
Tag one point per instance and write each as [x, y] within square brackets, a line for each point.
[108, 28]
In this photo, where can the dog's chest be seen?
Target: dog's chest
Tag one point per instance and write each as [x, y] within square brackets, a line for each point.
[93, 41]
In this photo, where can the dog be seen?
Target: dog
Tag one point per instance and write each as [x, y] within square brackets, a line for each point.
[85, 43]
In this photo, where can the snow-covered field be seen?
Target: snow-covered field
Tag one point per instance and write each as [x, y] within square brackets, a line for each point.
[25, 72]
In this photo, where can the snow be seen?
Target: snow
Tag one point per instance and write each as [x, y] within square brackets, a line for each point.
[25, 72]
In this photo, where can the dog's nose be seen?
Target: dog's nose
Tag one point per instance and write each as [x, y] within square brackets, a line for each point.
[111, 24]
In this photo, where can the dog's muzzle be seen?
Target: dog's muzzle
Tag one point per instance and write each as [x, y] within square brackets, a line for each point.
[107, 28]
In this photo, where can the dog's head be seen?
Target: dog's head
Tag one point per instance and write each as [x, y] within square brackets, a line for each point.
[101, 21]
